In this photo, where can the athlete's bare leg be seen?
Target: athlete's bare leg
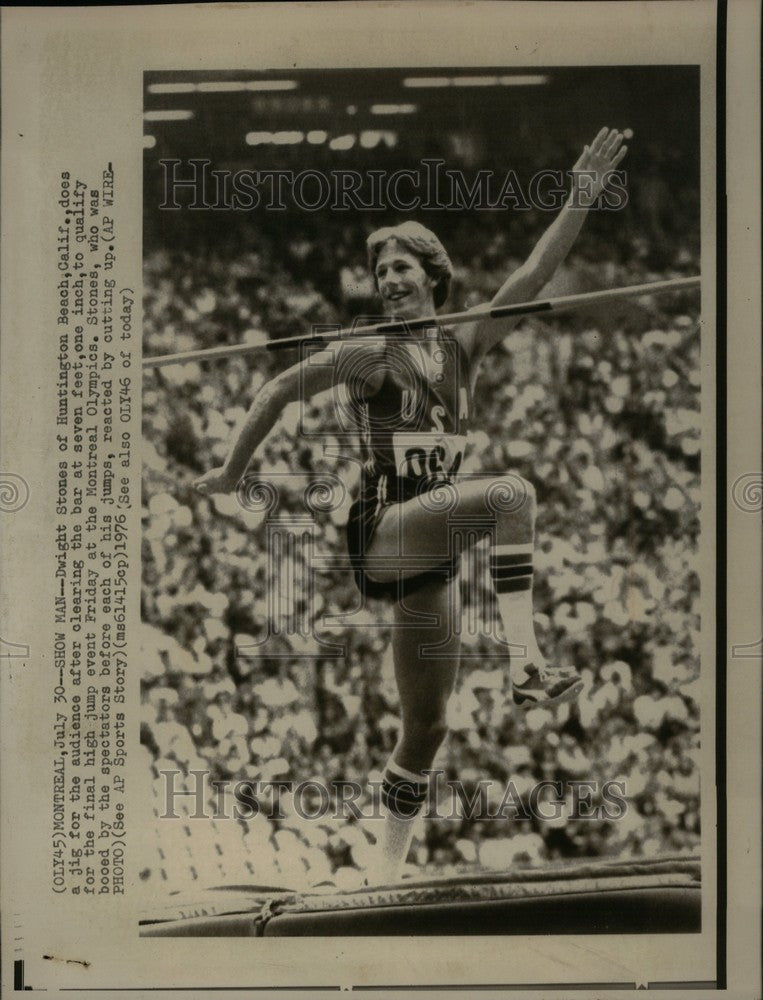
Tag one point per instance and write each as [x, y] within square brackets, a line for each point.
[425, 684]
[424, 530]
[424, 527]
[421, 534]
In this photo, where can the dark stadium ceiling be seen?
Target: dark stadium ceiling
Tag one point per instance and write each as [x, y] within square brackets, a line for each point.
[184, 109]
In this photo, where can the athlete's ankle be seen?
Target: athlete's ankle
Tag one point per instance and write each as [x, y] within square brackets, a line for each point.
[523, 658]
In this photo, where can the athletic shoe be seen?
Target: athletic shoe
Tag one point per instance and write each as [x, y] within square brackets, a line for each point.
[546, 687]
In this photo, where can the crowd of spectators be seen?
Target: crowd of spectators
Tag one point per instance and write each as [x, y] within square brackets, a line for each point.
[258, 666]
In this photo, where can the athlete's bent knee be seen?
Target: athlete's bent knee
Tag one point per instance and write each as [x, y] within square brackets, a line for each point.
[511, 494]
[528, 491]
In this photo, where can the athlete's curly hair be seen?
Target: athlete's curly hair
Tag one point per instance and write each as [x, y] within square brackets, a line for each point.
[421, 242]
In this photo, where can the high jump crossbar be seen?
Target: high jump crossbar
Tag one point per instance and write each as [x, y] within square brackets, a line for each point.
[401, 326]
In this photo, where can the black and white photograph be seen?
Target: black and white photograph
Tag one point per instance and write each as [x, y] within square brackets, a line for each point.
[421, 500]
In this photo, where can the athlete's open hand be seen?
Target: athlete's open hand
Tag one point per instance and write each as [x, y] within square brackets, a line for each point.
[596, 164]
[215, 481]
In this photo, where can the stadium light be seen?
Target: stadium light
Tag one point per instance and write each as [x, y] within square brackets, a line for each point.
[272, 85]
[426, 81]
[370, 138]
[342, 142]
[288, 138]
[515, 80]
[474, 81]
[274, 138]
[221, 86]
[524, 80]
[393, 109]
[167, 116]
[258, 138]
[316, 136]
[171, 88]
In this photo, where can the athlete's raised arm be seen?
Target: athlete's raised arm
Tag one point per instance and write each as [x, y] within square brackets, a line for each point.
[591, 174]
[314, 374]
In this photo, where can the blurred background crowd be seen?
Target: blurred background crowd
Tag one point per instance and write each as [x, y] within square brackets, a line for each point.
[259, 666]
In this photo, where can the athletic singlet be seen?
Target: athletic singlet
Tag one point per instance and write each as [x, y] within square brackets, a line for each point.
[413, 430]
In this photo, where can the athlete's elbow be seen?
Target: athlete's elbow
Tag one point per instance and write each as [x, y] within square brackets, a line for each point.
[280, 391]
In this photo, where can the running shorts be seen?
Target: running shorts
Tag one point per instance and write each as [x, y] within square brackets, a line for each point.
[365, 514]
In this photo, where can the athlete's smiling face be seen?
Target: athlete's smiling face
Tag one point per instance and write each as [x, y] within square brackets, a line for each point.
[404, 285]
